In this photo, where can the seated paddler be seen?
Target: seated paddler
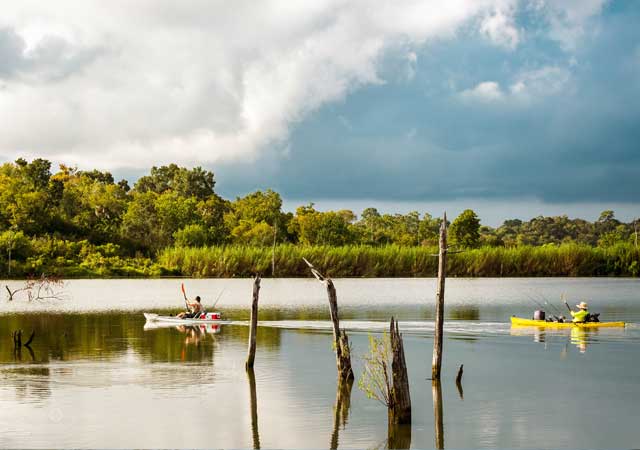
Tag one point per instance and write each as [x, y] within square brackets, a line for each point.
[195, 308]
[582, 314]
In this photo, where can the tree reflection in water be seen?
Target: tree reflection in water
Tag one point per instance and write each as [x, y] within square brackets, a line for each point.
[436, 391]
[253, 405]
[341, 410]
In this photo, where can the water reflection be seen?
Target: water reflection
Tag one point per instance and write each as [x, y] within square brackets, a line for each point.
[436, 392]
[70, 337]
[580, 337]
[253, 406]
[341, 409]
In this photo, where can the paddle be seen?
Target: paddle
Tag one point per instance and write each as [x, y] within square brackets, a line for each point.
[185, 297]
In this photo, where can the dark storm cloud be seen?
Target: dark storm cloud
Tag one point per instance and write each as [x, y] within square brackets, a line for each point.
[570, 132]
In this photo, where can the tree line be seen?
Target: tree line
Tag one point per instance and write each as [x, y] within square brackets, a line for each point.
[75, 217]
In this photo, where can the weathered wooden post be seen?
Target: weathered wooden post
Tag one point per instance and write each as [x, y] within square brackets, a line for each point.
[253, 403]
[340, 338]
[436, 392]
[251, 355]
[442, 274]
[400, 410]
[341, 410]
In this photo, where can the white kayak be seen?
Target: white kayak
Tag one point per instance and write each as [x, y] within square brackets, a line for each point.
[204, 318]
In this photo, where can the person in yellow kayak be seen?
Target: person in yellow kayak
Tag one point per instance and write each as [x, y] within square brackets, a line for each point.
[582, 314]
[195, 308]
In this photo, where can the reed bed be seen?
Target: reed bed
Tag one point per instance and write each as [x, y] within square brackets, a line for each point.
[574, 260]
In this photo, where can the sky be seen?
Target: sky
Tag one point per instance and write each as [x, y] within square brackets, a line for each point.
[514, 108]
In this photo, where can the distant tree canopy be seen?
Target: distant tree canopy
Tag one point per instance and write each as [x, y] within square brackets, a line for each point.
[42, 212]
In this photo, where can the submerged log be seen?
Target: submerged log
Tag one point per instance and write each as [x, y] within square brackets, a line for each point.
[340, 338]
[400, 399]
[436, 391]
[341, 410]
[442, 274]
[17, 339]
[253, 404]
[251, 353]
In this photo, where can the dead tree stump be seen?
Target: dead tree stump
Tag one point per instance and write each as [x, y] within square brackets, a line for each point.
[400, 399]
[340, 338]
[251, 353]
[442, 274]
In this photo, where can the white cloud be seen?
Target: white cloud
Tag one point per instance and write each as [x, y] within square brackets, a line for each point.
[568, 18]
[487, 91]
[125, 84]
[499, 27]
[526, 87]
[548, 80]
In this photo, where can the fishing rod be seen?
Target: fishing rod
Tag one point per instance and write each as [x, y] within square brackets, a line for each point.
[557, 317]
[218, 298]
[546, 301]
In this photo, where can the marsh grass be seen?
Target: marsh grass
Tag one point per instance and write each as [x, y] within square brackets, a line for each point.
[397, 261]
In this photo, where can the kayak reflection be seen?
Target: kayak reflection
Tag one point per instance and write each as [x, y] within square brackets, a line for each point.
[580, 337]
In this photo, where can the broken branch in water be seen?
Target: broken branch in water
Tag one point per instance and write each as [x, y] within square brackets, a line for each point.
[30, 340]
[45, 287]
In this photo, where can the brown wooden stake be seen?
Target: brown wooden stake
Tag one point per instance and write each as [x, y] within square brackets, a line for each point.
[341, 410]
[442, 275]
[253, 403]
[340, 338]
[251, 356]
[436, 392]
[459, 382]
[400, 398]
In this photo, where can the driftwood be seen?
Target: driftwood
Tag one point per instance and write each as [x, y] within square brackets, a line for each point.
[253, 399]
[442, 274]
[399, 398]
[251, 353]
[436, 391]
[45, 287]
[17, 339]
[341, 410]
[340, 338]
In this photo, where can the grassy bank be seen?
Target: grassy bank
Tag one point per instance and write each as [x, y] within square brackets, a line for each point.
[396, 261]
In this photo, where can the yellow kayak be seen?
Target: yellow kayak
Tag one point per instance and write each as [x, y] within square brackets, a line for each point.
[517, 321]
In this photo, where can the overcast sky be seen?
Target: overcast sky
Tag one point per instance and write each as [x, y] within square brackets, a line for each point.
[514, 108]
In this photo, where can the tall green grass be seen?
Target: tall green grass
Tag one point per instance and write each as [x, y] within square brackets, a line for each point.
[396, 261]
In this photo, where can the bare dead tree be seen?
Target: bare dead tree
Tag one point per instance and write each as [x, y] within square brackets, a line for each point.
[43, 288]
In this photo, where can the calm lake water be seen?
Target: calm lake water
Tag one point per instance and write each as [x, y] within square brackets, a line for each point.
[97, 377]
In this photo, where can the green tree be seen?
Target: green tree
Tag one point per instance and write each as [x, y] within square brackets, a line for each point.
[465, 230]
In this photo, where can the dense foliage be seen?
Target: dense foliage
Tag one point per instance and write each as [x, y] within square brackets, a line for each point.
[84, 223]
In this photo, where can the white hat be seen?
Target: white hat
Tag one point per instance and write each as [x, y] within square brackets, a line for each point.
[582, 305]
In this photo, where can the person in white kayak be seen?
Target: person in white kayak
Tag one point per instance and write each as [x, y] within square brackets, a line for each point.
[195, 308]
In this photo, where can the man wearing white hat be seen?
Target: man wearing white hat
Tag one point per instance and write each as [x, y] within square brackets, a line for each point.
[582, 314]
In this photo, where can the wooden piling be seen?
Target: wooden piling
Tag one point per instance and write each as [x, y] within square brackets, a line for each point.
[400, 398]
[442, 274]
[251, 355]
[436, 392]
